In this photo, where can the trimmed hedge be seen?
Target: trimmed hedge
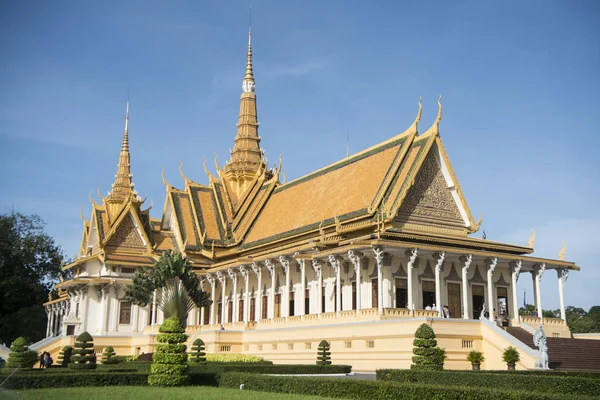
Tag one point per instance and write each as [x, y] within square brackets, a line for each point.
[20, 356]
[427, 356]
[531, 372]
[73, 379]
[64, 358]
[323, 353]
[234, 358]
[169, 363]
[83, 352]
[375, 390]
[197, 354]
[543, 384]
[41, 380]
[284, 369]
[108, 356]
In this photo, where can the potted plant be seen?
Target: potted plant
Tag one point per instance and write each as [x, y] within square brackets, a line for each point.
[511, 357]
[475, 358]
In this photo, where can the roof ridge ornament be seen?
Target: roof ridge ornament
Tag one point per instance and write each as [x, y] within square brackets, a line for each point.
[415, 125]
[531, 238]
[563, 251]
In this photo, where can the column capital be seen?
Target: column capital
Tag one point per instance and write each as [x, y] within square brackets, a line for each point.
[285, 263]
[466, 261]
[221, 277]
[270, 267]
[301, 264]
[355, 257]
[211, 280]
[562, 273]
[257, 269]
[491, 263]
[316, 264]
[232, 274]
[439, 260]
[243, 271]
[378, 250]
[412, 257]
[538, 270]
[335, 262]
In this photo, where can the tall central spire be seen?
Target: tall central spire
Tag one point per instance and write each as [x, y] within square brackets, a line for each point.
[122, 188]
[246, 156]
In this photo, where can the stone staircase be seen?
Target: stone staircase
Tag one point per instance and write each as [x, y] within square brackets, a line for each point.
[565, 353]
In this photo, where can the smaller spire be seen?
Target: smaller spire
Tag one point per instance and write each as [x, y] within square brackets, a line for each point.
[126, 133]
[122, 187]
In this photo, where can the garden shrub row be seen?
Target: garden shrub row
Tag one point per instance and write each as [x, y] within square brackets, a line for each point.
[35, 380]
[376, 390]
[273, 369]
[581, 374]
[538, 383]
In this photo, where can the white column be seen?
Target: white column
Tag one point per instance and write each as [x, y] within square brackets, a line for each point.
[317, 267]
[153, 315]
[211, 280]
[355, 257]
[223, 281]
[234, 307]
[244, 272]
[379, 260]
[301, 299]
[439, 264]
[285, 265]
[49, 323]
[135, 313]
[271, 305]
[335, 262]
[490, 286]
[563, 274]
[258, 307]
[466, 260]
[515, 269]
[538, 293]
[84, 313]
[202, 311]
[104, 307]
[412, 259]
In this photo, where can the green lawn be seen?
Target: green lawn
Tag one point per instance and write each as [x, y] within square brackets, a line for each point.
[144, 392]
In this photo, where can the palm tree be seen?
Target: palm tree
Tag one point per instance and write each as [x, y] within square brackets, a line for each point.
[180, 286]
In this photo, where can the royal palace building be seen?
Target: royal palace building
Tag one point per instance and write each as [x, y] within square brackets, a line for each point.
[359, 253]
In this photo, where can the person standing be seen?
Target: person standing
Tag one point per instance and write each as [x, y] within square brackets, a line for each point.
[42, 360]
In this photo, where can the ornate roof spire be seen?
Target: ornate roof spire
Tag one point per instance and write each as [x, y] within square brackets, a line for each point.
[122, 188]
[246, 156]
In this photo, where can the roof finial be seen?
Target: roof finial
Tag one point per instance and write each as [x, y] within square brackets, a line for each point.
[248, 84]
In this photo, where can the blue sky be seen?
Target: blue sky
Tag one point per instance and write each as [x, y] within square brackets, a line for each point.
[520, 82]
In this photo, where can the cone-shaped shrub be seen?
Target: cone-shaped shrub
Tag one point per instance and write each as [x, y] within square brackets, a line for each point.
[427, 356]
[108, 356]
[169, 363]
[83, 352]
[64, 357]
[323, 353]
[20, 356]
[197, 354]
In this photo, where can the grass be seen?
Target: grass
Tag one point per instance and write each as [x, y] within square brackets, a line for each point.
[143, 392]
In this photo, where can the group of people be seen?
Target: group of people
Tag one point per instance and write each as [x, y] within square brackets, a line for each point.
[45, 360]
[445, 310]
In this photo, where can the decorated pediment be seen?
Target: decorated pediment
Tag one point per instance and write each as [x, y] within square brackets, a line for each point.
[128, 235]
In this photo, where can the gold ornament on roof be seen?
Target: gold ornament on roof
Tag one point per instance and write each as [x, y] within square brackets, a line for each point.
[563, 251]
[479, 221]
[531, 239]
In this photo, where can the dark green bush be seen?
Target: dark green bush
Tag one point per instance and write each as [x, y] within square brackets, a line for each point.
[197, 354]
[64, 357]
[323, 353]
[83, 353]
[375, 390]
[73, 379]
[146, 357]
[20, 356]
[108, 356]
[427, 356]
[537, 383]
[169, 363]
[271, 369]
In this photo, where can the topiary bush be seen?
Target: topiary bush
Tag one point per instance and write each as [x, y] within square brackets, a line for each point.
[108, 356]
[198, 355]
[169, 363]
[427, 356]
[20, 356]
[83, 353]
[234, 358]
[64, 357]
[323, 353]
